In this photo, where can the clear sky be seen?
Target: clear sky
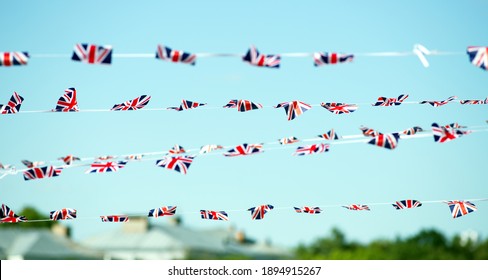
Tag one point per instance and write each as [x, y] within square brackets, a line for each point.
[357, 173]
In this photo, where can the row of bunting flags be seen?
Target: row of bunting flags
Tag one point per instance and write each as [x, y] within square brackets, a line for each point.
[97, 54]
[68, 102]
[458, 209]
[178, 160]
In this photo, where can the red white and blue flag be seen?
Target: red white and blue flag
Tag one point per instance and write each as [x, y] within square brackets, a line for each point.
[357, 207]
[288, 140]
[42, 172]
[13, 58]
[115, 218]
[68, 160]
[324, 58]
[92, 54]
[339, 108]
[253, 57]
[447, 133]
[214, 215]
[134, 157]
[63, 214]
[67, 102]
[478, 56]
[385, 101]
[162, 211]
[31, 164]
[257, 213]
[294, 108]
[177, 149]
[132, 105]
[9, 216]
[187, 105]
[243, 105]
[308, 209]
[108, 166]
[209, 148]
[165, 53]
[387, 141]
[330, 135]
[13, 105]
[407, 203]
[436, 103]
[474, 101]
[312, 149]
[460, 208]
[244, 150]
[412, 131]
[179, 163]
[369, 132]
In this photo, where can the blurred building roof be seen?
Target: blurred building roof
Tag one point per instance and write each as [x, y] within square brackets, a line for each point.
[139, 240]
[40, 244]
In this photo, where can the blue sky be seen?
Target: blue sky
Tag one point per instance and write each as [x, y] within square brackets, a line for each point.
[357, 173]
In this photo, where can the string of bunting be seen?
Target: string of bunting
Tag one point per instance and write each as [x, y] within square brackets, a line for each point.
[458, 208]
[68, 102]
[179, 159]
[102, 54]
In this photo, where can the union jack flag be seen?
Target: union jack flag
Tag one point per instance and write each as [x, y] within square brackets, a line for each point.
[288, 140]
[312, 149]
[460, 208]
[13, 105]
[162, 211]
[6, 166]
[474, 102]
[208, 148]
[253, 57]
[9, 216]
[134, 157]
[435, 103]
[339, 108]
[31, 164]
[446, 133]
[330, 135]
[109, 166]
[69, 159]
[478, 56]
[257, 213]
[384, 101]
[308, 209]
[63, 214]
[187, 105]
[67, 102]
[357, 207]
[92, 54]
[214, 215]
[413, 130]
[115, 218]
[13, 58]
[243, 105]
[408, 203]
[369, 131]
[387, 141]
[177, 149]
[294, 108]
[132, 105]
[42, 172]
[178, 163]
[454, 125]
[105, 157]
[165, 53]
[244, 150]
[323, 58]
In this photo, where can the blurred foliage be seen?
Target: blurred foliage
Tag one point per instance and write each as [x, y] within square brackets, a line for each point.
[428, 244]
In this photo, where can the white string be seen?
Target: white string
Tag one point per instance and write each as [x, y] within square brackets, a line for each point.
[141, 215]
[357, 138]
[211, 108]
